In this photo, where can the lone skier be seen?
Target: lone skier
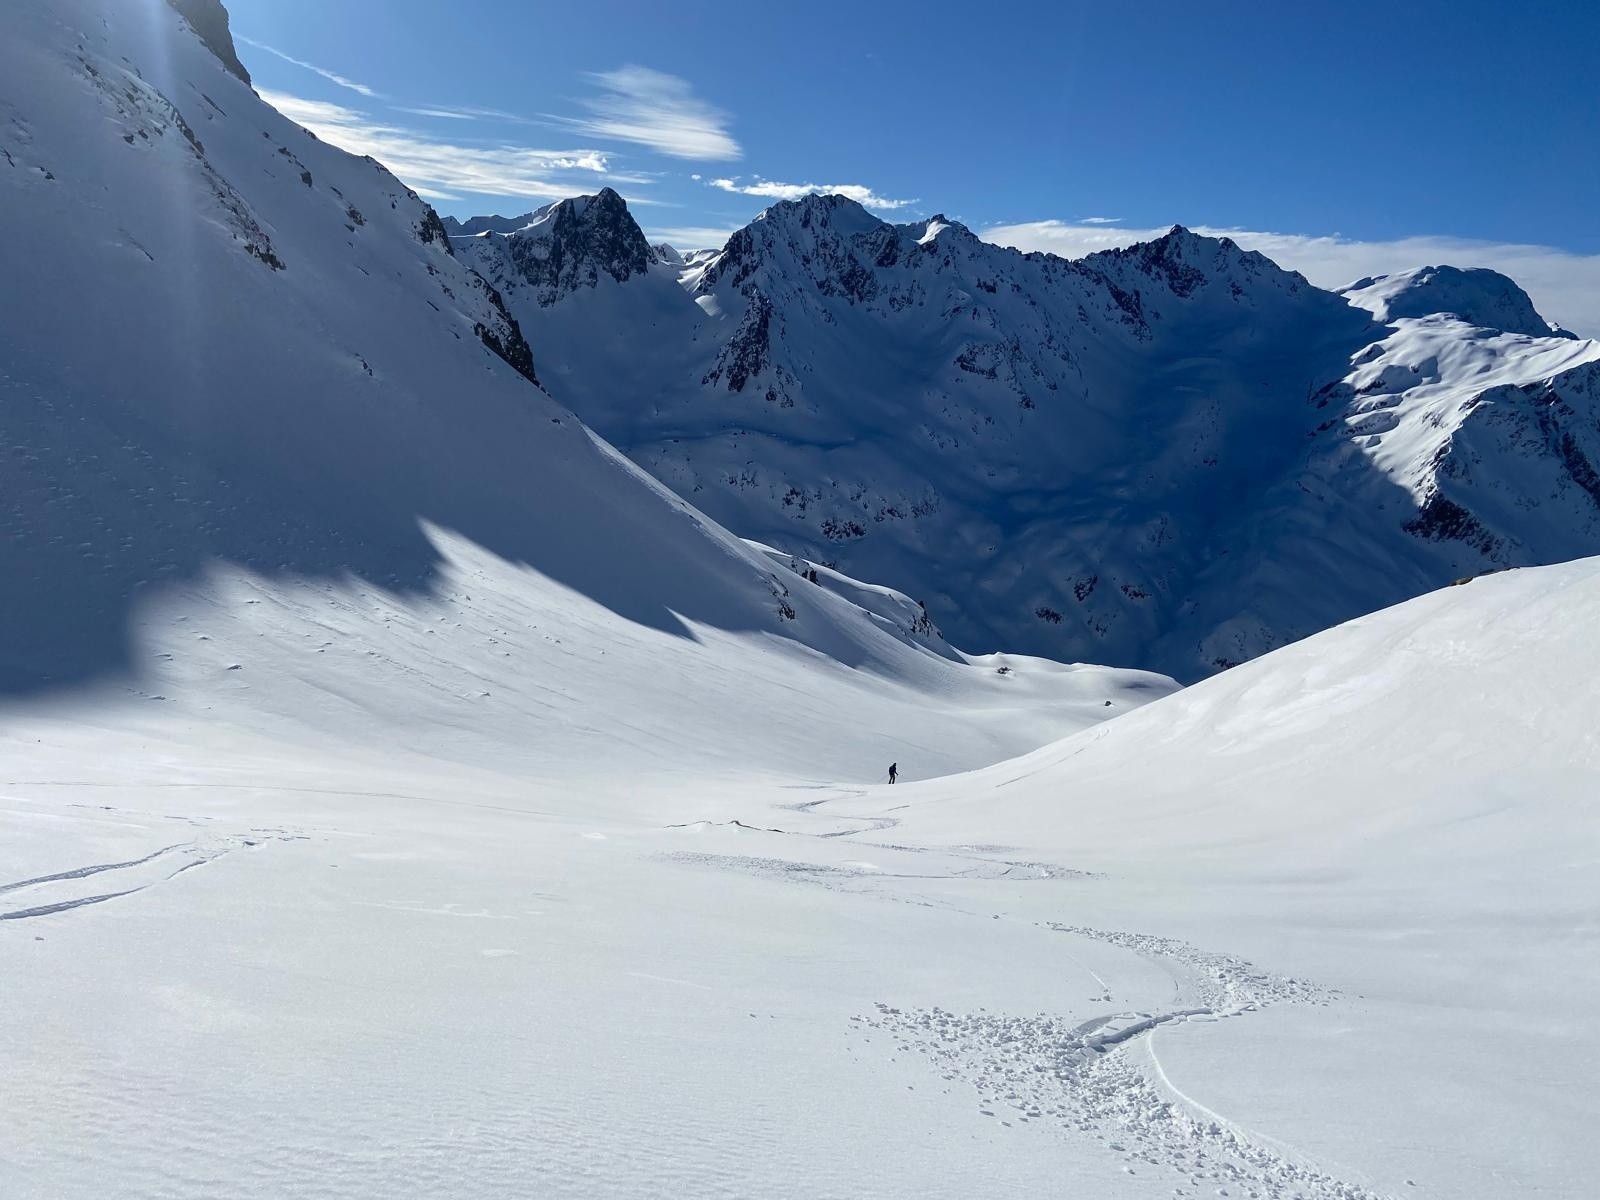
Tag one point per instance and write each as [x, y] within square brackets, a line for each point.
[894, 771]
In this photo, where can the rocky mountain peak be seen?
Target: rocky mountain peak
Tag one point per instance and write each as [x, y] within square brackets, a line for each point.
[937, 226]
[820, 212]
[564, 246]
[1186, 262]
[209, 20]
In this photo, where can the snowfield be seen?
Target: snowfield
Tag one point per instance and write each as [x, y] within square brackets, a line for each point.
[404, 795]
[1321, 926]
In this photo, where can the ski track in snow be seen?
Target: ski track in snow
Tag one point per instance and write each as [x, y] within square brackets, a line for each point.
[1081, 1076]
[84, 872]
[62, 891]
[984, 864]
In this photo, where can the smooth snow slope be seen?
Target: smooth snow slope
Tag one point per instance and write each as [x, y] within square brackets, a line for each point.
[1321, 927]
[1403, 810]
[277, 454]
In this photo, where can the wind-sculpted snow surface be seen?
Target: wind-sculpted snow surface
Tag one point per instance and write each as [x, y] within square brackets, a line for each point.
[1171, 455]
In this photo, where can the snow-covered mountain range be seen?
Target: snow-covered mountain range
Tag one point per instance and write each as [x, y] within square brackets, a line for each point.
[255, 399]
[1175, 455]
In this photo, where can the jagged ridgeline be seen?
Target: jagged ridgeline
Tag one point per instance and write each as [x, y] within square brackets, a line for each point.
[1177, 454]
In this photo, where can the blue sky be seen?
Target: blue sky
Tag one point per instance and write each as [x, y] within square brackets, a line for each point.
[1414, 123]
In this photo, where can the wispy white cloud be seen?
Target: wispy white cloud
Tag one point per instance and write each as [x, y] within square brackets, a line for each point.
[443, 170]
[633, 104]
[654, 109]
[457, 113]
[1565, 287]
[434, 112]
[773, 190]
[1099, 220]
[332, 76]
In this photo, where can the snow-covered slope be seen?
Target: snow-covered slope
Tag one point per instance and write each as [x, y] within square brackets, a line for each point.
[1320, 928]
[1396, 823]
[278, 458]
[1113, 458]
[1476, 296]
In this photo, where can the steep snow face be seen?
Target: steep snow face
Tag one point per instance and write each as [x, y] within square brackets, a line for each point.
[276, 455]
[1447, 450]
[1175, 455]
[1476, 296]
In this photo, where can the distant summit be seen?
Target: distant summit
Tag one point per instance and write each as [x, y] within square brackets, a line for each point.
[564, 246]
[477, 225]
[1476, 295]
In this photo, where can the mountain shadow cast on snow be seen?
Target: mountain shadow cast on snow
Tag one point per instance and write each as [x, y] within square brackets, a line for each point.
[264, 355]
[104, 506]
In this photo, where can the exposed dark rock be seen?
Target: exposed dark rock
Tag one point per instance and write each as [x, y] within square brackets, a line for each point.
[209, 20]
[432, 230]
[266, 254]
[576, 243]
[1442, 519]
[746, 353]
[512, 348]
[506, 340]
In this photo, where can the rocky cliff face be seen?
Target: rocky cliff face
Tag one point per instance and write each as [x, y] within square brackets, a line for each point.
[568, 245]
[209, 20]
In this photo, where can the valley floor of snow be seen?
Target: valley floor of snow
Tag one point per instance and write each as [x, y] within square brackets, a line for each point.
[1323, 926]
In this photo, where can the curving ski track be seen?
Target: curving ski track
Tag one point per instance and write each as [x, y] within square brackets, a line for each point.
[1081, 1076]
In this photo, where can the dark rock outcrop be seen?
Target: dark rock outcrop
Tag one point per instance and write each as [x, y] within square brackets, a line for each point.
[209, 20]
